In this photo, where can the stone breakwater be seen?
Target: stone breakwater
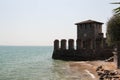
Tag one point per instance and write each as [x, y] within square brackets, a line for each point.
[107, 74]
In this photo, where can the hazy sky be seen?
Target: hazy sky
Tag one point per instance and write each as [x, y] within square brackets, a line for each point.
[39, 22]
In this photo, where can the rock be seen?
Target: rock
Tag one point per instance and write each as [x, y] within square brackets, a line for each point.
[107, 74]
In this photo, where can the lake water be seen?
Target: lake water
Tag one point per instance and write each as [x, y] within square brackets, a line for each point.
[31, 63]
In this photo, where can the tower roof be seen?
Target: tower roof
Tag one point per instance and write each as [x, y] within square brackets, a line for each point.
[88, 21]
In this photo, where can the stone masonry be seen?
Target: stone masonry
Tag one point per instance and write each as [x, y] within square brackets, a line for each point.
[90, 44]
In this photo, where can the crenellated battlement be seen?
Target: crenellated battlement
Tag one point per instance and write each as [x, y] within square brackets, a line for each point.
[63, 45]
[66, 50]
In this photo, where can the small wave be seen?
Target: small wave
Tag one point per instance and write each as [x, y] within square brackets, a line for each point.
[90, 74]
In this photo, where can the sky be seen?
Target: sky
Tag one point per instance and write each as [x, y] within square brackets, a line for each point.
[40, 22]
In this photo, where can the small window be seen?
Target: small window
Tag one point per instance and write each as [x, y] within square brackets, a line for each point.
[85, 26]
[90, 26]
[99, 27]
[81, 27]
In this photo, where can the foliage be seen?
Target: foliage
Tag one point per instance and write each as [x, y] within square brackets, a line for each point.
[116, 10]
[113, 30]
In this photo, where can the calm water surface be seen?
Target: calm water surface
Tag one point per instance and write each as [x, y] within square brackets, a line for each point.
[30, 63]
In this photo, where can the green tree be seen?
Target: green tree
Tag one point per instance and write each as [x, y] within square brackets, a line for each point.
[116, 10]
[113, 30]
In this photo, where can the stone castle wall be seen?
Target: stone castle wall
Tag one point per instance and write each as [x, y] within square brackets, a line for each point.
[90, 44]
[62, 52]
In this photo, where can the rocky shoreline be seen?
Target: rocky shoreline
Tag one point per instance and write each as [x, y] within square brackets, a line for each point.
[88, 69]
[105, 74]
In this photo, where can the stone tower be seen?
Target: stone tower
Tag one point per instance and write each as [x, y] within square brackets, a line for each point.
[90, 35]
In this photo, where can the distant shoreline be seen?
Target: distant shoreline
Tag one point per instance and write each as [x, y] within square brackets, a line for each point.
[25, 46]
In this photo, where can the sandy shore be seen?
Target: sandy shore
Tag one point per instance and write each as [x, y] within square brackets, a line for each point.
[86, 70]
